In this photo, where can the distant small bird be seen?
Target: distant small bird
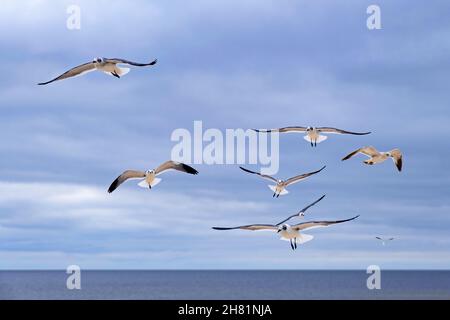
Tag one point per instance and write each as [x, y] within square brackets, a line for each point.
[383, 241]
[377, 157]
[148, 177]
[280, 187]
[313, 134]
[288, 232]
[108, 66]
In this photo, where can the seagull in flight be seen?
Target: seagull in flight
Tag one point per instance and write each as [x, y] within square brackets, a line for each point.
[149, 178]
[280, 187]
[301, 213]
[313, 134]
[288, 232]
[384, 240]
[376, 156]
[108, 66]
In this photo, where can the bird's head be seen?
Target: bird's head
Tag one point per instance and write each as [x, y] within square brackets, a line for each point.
[98, 60]
[283, 227]
[309, 129]
[149, 171]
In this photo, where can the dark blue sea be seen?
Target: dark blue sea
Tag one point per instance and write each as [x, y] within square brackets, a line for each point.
[225, 285]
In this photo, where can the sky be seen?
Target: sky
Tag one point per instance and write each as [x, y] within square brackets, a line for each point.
[230, 64]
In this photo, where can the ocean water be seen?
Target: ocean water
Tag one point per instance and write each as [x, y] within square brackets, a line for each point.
[225, 285]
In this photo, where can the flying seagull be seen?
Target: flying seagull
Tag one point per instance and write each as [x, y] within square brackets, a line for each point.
[288, 232]
[280, 187]
[376, 156]
[313, 134]
[383, 241]
[148, 178]
[108, 66]
[301, 213]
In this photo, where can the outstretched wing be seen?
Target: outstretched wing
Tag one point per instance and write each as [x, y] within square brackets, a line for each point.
[285, 129]
[302, 176]
[316, 224]
[172, 165]
[339, 131]
[397, 158]
[265, 176]
[301, 212]
[137, 64]
[128, 174]
[252, 227]
[368, 151]
[77, 71]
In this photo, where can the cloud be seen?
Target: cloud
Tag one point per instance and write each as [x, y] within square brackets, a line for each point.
[231, 65]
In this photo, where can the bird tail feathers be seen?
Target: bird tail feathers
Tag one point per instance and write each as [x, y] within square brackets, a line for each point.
[144, 183]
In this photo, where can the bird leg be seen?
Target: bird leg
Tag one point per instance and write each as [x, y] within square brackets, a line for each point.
[292, 246]
[278, 195]
[274, 195]
[149, 186]
[115, 74]
[295, 243]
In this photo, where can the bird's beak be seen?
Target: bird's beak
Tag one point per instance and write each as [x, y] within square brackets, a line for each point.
[278, 230]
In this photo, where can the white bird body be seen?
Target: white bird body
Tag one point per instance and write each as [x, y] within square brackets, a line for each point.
[289, 233]
[111, 68]
[150, 179]
[279, 188]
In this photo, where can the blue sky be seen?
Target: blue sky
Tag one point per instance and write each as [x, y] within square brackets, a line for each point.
[230, 64]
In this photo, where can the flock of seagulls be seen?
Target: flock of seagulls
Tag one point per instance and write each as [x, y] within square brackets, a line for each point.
[314, 135]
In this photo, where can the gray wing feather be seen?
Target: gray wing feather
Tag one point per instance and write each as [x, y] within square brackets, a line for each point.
[137, 64]
[314, 224]
[78, 70]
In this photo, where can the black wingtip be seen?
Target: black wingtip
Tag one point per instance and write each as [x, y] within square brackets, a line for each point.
[189, 169]
[153, 62]
[113, 186]
[246, 170]
[346, 157]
